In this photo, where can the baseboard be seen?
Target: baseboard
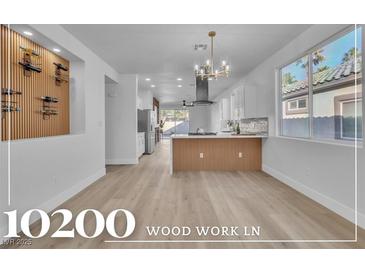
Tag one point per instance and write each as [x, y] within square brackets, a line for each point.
[61, 198]
[69, 193]
[125, 161]
[339, 208]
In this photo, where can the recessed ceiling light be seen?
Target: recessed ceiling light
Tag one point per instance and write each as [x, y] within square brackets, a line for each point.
[179, 79]
[27, 33]
[56, 50]
[152, 86]
[148, 79]
[179, 86]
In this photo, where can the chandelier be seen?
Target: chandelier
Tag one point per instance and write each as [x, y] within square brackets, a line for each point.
[207, 70]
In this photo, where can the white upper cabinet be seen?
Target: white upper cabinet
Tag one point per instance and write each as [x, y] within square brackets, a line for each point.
[241, 102]
[225, 109]
[233, 105]
[145, 100]
[237, 104]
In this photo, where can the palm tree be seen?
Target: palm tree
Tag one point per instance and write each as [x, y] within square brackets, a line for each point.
[317, 58]
[323, 68]
[288, 79]
[350, 54]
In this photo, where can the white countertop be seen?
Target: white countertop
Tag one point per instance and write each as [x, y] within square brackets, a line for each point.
[185, 136]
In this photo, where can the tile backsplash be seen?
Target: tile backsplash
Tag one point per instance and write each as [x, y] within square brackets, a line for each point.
[254, 125]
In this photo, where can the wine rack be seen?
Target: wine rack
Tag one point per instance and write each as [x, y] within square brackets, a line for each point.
[48, 108]
[59, 77]
[7, 104]
[28, 63]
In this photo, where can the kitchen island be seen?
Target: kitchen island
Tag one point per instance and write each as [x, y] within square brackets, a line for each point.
[215, 152]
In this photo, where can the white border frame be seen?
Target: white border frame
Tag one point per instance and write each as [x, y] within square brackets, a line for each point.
[277, 72]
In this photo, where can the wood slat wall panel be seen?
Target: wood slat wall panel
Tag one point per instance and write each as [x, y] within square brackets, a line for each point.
[29, 122]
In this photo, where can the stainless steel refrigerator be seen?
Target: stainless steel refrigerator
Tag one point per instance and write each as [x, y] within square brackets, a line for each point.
[146, 124]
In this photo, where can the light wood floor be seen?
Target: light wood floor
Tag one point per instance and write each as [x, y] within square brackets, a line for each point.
[204, 199]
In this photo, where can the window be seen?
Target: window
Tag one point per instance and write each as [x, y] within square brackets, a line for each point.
[297, 106]
[345, 106]
[294, 96]
[302, 103]
[347, 122]
[174, 122]
[326, 104]
[293, 105]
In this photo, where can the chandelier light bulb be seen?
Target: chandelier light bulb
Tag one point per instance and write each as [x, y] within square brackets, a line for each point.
[223, 63]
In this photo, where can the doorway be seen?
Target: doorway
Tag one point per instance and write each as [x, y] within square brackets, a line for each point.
[175, 121]
[110, 93]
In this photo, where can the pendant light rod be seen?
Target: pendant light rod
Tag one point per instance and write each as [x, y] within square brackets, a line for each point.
[211, 34]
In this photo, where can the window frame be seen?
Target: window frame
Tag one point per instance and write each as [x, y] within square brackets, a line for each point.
[308, 53]
[339, 102]
[297, 110]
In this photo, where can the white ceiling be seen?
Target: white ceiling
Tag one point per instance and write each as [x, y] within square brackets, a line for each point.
[166, 52]
[44, 41]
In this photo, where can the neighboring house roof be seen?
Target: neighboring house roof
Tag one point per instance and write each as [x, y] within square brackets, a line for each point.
[343, 73]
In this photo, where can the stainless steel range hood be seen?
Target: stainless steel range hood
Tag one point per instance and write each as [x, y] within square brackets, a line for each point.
[202, 96]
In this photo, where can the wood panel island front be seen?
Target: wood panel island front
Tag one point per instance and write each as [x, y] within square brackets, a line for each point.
[215, 153]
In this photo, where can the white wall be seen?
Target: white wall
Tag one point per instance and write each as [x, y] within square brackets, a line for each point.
[113, 125]
[77, 97]
[121, 121]
[145, 99]
[215, 118]
[324, 172]
[47, 171]
[199, 117]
